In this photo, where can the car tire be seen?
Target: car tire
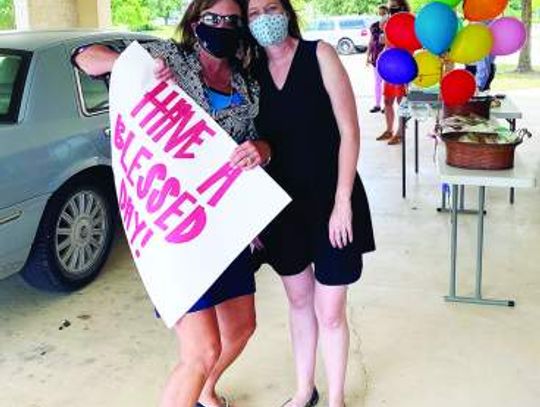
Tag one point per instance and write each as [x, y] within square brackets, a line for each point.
[345, 46]
[362, 49]
[74, 238]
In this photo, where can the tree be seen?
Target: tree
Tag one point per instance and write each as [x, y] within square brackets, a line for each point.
[525, 64]
[341, 7]
[7, 18]
[132, 13]
[164, 8]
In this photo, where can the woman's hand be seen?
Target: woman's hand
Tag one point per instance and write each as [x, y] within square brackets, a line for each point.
[161, 71]
[251, 154]
[340, 224]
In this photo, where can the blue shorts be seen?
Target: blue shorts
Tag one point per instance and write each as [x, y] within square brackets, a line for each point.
[236, 281]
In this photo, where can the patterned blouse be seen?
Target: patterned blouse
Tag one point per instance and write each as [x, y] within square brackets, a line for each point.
[237, 120]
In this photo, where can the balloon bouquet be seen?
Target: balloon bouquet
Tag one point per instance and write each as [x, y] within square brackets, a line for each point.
[422, 46]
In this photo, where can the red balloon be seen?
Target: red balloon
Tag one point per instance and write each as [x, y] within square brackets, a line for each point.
[400, 32]
[458, 87]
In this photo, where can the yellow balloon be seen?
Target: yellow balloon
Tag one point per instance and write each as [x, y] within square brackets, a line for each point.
[429, 69]
[472, 43]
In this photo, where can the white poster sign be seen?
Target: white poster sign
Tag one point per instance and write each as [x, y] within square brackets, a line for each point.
[186, 212]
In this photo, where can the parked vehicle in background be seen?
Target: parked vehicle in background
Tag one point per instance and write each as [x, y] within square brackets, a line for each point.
[348, 34]
[57, 205]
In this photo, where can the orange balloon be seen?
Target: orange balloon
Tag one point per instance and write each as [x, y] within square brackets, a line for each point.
[480, 10]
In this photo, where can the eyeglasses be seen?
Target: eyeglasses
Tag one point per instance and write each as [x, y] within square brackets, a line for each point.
[214, 20]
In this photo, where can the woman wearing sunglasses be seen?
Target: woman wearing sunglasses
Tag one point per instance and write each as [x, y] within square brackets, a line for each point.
[308, 114]
[208, 64]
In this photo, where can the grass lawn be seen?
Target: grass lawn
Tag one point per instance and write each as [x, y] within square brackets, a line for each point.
[507, 78]
[163, 32]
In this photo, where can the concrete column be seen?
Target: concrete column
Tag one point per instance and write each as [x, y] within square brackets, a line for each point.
[58, 14]
[94, 13]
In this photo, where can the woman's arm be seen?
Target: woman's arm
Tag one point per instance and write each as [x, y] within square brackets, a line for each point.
[96, 60]
[338, 86]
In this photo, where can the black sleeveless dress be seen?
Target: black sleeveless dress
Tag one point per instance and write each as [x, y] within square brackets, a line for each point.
[299, 123]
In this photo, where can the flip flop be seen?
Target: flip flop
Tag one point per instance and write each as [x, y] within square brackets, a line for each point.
[313, 401]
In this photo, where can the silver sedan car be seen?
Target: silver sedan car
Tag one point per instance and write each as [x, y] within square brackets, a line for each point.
[57, 206]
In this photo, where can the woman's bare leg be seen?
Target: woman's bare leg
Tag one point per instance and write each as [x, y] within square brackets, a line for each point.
[331, 311]
[304, 332]
[400, 123]
[200, 349]
[389, 113]
[237, 322]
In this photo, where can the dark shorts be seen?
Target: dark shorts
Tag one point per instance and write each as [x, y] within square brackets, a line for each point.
[236, 281]
[294, 241]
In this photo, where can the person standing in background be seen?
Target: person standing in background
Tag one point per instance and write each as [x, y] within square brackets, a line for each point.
[485, 73]
[393, 93]
[375, 47]
[484, 70]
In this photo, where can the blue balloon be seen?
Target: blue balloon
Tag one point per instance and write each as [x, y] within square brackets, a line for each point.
[397, 66]
[436, 27]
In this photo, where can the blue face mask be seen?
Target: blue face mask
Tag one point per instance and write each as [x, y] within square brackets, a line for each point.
[270, 29]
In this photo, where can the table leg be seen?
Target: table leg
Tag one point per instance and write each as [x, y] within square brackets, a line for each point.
[453, 242]
[477, 299]
[513, 126]
[461, 207]
[416, 146]
[403, 156]
[480, 241]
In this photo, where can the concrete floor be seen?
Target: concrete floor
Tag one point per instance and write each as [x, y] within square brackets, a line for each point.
[409, 347]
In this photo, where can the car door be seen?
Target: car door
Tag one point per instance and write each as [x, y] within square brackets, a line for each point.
[14, 68]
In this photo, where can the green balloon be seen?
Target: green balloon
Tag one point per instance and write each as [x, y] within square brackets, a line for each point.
[451, 3]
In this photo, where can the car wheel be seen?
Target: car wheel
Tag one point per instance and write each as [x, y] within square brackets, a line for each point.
[345, 46]
[362, 49]
[73, 240]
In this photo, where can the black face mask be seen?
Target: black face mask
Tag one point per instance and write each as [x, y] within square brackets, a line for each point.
[220, 42]
[396, 9]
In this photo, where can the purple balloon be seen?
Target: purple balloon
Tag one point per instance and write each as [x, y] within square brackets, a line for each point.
[509, 35]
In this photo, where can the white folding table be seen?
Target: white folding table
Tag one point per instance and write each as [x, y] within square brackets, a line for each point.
[521, 176]
[507, 111]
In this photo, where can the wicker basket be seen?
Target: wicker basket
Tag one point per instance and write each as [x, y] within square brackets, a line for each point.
[476, 156]
[480, 106]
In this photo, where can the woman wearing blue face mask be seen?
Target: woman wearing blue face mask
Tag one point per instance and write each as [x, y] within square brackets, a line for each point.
[308, 114]
[208, 64]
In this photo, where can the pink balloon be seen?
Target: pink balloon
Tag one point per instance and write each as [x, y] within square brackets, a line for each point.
[509, 35]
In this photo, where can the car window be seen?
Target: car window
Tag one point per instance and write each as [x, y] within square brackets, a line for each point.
[95, 94]
[352, 24]
[94, 91]
[322, 25]
[13, 67]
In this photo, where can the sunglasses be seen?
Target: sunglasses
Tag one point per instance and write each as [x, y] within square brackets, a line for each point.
[214, 20]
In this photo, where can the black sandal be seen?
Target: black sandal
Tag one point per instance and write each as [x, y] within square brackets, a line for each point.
[313, 401]
[224, 400]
